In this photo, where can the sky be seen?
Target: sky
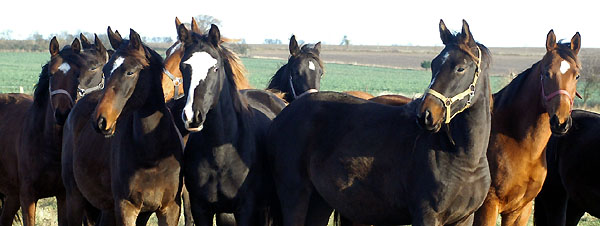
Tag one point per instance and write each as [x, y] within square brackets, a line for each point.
[507, 23]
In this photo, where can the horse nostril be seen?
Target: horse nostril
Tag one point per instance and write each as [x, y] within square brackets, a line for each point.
[101, 123]
[554, 121]
[428, 117]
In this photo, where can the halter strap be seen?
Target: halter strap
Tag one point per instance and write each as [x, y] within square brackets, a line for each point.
[469, 92]
[176, 84]
[82, 92]
[59, 91]
[302, 94]
[556, 93]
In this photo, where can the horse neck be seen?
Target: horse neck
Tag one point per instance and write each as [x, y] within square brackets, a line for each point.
[532, 126]
[224, 121]
[41, 118]
[281, 82]
[474, 122]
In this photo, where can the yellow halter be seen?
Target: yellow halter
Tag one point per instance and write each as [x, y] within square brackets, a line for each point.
[470, 92]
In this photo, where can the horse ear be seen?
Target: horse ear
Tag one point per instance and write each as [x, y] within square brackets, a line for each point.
[318, 48]
[294, 49]
[445, 34]
[84, 41]
[183, 34]
[114, 38]
[135, 41]
[76, 46]
[214, 35]
[465, 35]
[99, 46]
[177, 23]
[54, 47]
[576, 43]
[195, 27]
[550, 41]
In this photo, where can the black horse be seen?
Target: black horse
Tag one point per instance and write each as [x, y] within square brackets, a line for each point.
[374, 164]
[224, 166]
[302, 73]
[569, 189]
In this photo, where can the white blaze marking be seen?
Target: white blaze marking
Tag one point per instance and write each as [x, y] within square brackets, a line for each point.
[64, 67]
[311, 65]
[200, 62]
[564, 66]
[445, 57]
[117, 64]
[174, 49]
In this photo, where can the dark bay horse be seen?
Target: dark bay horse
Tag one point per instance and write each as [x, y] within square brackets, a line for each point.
[570, 189]
[146, 149]
[40, 139]
[86, 154]
[301, 74]
[422, 163]
[532, 107]
[224, 169]
[13, 109]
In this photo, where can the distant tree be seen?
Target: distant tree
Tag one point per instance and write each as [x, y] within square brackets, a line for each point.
[204, 21]
[273, 41]
[345, 41]
[240, 48]
[6, 34]
[426, 64]
[590, 76]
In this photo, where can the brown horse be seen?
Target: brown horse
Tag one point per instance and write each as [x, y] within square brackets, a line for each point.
[146, 150]
[41, 136]
[526, 112]
[85, 175]
[13, 108]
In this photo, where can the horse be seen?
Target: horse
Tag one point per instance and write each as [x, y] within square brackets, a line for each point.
[568, 191]
[86, 154]
[422, 163]
[224, 169]
[516, 151]
[301, 74]
[13, 109]
[40, 138]
[146, 150]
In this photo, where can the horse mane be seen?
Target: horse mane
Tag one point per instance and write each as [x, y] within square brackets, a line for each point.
[234, 73]
[564, 51]
[40, 92]
[238, 71]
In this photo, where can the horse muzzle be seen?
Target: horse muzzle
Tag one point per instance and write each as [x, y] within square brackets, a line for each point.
[192, 123]
[102, 126]
[559, 129]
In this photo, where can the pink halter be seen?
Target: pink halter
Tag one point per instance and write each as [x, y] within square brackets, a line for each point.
[555, 93]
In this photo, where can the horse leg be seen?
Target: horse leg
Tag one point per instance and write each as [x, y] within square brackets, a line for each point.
[550, 205]
[142, 218]
[487, 213]
[28, 205]
[225, 219]
[75, 206]
[107, 218]
[464, 222]
[519, 217]
[9, 210]
[574, 214]
[294, 204]
[187, 207]
[319, 211]
[169, 216]
[61, 206]
[125, 212]
[202, 216]
[247, 214]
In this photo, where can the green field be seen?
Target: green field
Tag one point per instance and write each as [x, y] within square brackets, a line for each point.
[22, 70]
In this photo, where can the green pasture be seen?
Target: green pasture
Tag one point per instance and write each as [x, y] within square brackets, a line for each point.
[22, 69]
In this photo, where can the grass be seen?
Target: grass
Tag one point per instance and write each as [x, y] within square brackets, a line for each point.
[22, 70]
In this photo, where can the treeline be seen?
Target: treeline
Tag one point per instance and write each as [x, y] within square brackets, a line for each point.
[37, 42]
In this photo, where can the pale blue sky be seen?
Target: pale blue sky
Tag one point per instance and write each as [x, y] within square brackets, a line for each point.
[508, 23]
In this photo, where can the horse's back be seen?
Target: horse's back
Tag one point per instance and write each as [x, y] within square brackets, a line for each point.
[13, 108]
[264, 101]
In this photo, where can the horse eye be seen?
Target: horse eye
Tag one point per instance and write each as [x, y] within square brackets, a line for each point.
[577, 77]
[547, 74]
[460, 69]
[130, 73]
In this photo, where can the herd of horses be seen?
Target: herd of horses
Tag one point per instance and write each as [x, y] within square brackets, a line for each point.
[116, 135]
